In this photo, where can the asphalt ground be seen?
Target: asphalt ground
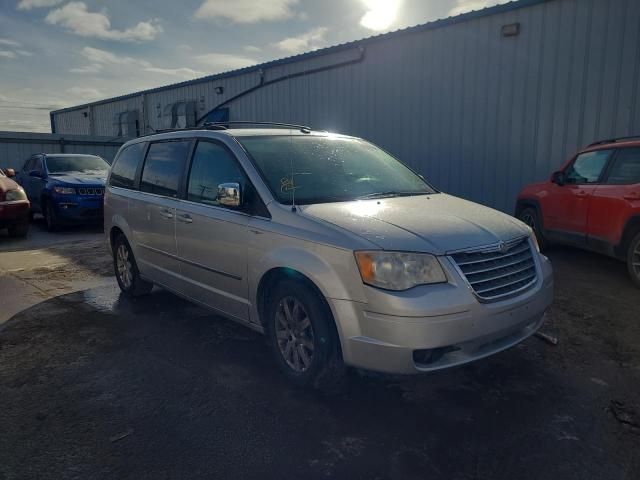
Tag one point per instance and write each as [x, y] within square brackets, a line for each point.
[94, 385]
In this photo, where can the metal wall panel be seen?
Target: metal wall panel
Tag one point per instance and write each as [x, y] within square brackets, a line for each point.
[478, 114]
[16, 147]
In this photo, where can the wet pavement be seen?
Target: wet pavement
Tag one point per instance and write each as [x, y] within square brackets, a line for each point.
[94, 385]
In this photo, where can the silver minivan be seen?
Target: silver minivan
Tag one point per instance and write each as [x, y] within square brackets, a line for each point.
[338, 252]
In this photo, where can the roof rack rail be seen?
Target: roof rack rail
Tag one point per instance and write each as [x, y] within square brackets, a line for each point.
[225, 125]
[614, 140]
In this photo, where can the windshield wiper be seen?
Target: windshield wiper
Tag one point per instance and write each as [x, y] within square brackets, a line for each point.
[390, 193]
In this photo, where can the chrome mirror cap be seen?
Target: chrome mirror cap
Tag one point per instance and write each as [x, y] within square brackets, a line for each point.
[229, 194]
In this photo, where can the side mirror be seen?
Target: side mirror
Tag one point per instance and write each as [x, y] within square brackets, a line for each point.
[558, 178]
[35, 173]
[229, 194]
[10, 172]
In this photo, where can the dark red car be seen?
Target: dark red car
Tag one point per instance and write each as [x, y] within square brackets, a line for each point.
[14, 207]
[593, 202]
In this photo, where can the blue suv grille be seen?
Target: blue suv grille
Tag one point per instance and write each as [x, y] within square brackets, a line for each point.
[91, 191]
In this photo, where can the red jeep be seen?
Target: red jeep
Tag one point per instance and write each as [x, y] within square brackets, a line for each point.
[593, 202]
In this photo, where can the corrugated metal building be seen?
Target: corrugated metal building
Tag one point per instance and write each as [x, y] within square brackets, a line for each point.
[480, 104]
[16, 147]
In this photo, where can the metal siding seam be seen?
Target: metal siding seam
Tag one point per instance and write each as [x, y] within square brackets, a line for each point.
[634, 95]
[539, 93]
[602, 74]
[585, 74]
[616, 93]
[568, 96]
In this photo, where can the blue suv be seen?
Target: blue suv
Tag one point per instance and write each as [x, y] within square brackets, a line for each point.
[65, 188]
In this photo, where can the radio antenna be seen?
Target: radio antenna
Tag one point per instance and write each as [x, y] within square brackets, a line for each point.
[293, 182]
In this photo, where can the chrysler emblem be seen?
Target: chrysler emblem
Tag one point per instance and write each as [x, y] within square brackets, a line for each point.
[502, 247]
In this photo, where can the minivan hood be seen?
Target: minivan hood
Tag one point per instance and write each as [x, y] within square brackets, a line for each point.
[437, 223]
[80, 178]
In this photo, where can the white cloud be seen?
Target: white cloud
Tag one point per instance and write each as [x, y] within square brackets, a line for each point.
[381, 14]
[178, 72]
[246, 11]
[252, 49]
[7, 54]
[311, 40]
[463, 6]
[76, 18]
[24, 53]
[85, 93]
[29, 4]
[98, 59]
[91, 68]
[220, 62]
[9, 42]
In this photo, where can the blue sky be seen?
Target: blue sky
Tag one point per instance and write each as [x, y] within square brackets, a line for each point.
[57, 53]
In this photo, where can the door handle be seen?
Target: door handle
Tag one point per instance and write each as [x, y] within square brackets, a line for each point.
[185, 218]
[581, 193]
[166, 213]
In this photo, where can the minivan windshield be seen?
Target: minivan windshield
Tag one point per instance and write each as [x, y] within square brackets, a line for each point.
[320, 169]
[80, 163]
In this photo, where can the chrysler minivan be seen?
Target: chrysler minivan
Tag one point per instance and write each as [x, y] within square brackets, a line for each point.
[338, 252]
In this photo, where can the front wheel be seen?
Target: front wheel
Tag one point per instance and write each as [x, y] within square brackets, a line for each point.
[302, 336]
[50, 217]
[126, 270]
[633, 260]
[19, 229]
[530, 217]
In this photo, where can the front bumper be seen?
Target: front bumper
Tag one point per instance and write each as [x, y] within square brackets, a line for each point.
[76, 209]
[14, 212]
[439, 326]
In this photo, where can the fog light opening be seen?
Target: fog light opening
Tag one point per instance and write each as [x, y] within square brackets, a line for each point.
[432, 355]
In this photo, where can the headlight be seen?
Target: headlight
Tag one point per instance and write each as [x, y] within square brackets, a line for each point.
[534, 239]
[399, 270]
[65, 190]
[14, 195]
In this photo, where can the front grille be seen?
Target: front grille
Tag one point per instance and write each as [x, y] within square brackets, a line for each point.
[495, 274]
[91, 191]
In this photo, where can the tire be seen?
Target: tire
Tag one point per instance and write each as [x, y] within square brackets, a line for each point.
[633, 259]
[303, 337]
[19, 229]
[531, 217]
[50, 217]
[126, 270]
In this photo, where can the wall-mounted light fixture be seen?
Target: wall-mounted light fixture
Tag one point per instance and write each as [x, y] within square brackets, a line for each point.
[219, 90]
[511, 30]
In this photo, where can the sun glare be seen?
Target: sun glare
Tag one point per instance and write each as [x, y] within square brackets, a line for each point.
[380, 14]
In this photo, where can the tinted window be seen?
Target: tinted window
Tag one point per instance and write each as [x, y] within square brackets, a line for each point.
[211, 166]
[163, 167]
[28, 165]
[123, 172]
[626, 168]
[587, 167]
[329, 168]
[76, 163]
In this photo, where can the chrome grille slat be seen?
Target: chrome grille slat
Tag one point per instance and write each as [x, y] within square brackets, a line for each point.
[525, 258]
[494, 274]
[496, 255]
[503, 275]
[510, 281]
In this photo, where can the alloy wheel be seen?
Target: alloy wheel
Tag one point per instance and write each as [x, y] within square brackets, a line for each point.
[123, 265]
[635, 260]
[294, 334]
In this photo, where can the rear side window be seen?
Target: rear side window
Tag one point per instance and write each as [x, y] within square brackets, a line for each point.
[163, 167]
[211, 166]
[123, 172]
[626, 167]
[587, 167]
